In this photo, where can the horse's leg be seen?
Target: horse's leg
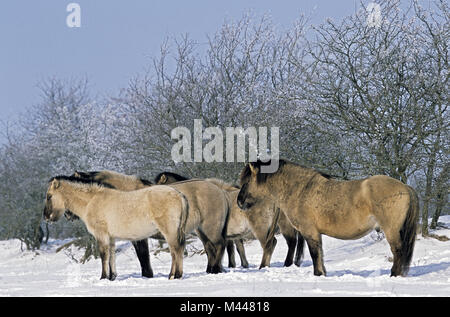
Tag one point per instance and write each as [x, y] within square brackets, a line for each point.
[241, 251]
[112, 260]
[268, 248]
[143, 255]
[299, 251]
[219, 246]
[266, 237]
[290, 234]
[291, 242]
[209, 249]
[230, 251]
[176, 251]
[103, 248]
[395, 244]
[315, 249]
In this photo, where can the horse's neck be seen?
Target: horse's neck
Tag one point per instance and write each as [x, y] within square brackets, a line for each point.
[293, 180]
[76, 199]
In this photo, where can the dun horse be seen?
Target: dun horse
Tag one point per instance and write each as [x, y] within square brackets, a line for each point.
[208, 214]
[316, 204]
[111, 214]
[125, 183]
[261, 221]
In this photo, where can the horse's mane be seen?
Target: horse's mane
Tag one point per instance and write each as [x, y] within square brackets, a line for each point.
[223, 184]
[102, 177]
[78, 180]
[174, 175]
[263, 177]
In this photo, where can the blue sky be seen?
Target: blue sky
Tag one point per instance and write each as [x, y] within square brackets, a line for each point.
[117, 38]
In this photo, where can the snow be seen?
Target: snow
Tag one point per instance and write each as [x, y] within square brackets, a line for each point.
[354, 267]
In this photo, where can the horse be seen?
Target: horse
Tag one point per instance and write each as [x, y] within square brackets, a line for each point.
[208, 215]
[111, 214]
[317, 204]
[261, 223]
[125, 183]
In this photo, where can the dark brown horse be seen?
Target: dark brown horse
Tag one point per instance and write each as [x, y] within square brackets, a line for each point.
[316, 204]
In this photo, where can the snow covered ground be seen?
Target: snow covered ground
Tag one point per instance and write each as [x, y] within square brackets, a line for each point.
[355, 268]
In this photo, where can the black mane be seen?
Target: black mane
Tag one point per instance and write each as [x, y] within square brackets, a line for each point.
[73, 179]
[145, 182]
[98, 177]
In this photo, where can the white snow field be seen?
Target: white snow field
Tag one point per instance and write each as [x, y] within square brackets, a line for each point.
[354, 267]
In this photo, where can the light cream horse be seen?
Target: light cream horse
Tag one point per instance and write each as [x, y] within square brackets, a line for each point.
[125, 183]
[110, 214]
[316, 204]
[208, 213]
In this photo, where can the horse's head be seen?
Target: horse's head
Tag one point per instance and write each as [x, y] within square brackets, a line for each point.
[54, 203]
[256, 183]
[249, 194]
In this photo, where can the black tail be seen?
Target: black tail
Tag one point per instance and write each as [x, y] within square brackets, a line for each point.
[408, 232]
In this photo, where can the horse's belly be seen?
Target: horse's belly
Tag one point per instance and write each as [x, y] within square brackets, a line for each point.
[135, 230]
[351, 228]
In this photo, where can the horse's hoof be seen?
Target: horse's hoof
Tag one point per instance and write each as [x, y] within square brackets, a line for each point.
[112, 277]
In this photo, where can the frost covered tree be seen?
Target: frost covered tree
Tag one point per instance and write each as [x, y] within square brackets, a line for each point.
[370, 82]
[241, 80]
[64, 132]
[350, 97]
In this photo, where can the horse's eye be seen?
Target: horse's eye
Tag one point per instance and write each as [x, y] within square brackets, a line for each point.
[49, 197]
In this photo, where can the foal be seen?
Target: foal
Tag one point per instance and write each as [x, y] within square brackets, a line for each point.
[110, 214]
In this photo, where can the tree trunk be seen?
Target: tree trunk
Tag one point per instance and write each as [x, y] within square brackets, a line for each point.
[442, 195]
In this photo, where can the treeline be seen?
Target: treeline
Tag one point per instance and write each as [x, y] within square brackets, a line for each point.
[350, 98]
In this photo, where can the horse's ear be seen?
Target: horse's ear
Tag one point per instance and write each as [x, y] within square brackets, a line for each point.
[55, 184]
[254, 169]
[163, 179]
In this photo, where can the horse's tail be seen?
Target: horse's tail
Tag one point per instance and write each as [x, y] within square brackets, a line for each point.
[408, 231]
[181, 233]
[227, 216]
